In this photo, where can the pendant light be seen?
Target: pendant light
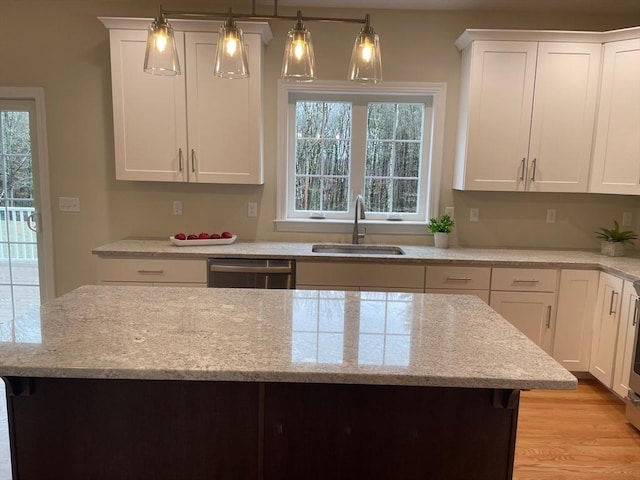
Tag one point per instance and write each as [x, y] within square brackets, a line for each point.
[231, 55]
[366, 63]
[299, 61]
[161, 57]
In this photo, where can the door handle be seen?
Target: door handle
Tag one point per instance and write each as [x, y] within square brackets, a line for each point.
[523, 168]
[179, 159]
[193, 161]
[611, 310]
[533, 170]
[34, 217]
[548, 316]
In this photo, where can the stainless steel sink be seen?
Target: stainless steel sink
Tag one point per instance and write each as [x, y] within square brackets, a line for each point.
[350, 249]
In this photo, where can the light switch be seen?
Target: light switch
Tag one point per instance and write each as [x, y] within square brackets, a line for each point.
[252, 209]
[69, 204]
[177, 207]
[474, 214]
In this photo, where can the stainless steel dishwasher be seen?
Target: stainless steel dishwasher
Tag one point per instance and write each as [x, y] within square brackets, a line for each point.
[251, 273]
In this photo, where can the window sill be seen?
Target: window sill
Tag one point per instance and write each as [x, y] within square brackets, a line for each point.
[344, 226]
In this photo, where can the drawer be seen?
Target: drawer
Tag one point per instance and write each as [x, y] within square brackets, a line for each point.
[152, 270]
[459, 278]
[360, 275]
[524, 279]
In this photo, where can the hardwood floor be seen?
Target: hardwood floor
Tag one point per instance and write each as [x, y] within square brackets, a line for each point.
[575, 435]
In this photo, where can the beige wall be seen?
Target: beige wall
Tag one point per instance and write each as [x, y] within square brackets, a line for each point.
[61, 46]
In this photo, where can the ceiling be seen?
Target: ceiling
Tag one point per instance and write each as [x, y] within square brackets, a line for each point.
[577, 6]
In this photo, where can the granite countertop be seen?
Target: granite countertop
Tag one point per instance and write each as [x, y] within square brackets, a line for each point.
[278, 336]
[627, 267]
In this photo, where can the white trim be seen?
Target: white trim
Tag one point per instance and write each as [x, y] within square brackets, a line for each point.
[47, 277]
[346, 226]
[471, 35]
[434, 172]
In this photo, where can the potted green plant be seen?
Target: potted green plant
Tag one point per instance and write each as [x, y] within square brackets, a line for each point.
[441, 228]
[614, 240]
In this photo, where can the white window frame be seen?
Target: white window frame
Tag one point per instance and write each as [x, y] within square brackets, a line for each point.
[432, 153]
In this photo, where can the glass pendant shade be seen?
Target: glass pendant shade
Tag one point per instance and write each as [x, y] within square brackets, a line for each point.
[231, 54]
[299, 62]
[161, 56]
[366, 62]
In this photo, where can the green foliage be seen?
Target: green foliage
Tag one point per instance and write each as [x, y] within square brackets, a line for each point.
[615, 235]
[442, 224]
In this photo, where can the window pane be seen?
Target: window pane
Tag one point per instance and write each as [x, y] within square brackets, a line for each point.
[405, 195]
[308, 191]
[394, 138]
[323, 149]
[334, 195]
[376, 192]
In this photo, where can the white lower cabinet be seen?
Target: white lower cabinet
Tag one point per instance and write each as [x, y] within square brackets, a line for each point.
[526, 297]
[360, 276]
[152, 271]
[577, 293]
[605, 328]
[626, 335]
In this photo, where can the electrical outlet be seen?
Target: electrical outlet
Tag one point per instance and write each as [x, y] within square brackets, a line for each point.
[474, 214]
[252, 209]
[450, 211]
[551, 215]
[626, 219]
[69, 204]
[177, 207]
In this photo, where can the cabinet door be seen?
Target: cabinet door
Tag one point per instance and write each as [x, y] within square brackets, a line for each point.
[605, 328]
[500, 101]
[616, 157]
[564, 106]
[626, 335]
[149, 113]
[574, 319]
[530, 312]
[224, 116]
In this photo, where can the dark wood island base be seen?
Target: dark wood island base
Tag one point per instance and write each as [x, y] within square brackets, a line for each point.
[169, 429]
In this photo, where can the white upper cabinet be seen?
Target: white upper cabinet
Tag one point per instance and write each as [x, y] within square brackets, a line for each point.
[192, 127]
[527, 111]
[616, 157]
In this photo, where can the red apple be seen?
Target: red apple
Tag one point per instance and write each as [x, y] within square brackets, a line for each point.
[226, 235]
[203, 236]
[192, 237]
[214, 236]
[180, 236]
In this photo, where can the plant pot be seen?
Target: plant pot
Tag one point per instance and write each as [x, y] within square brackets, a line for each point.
[441, 240]
[612, 249]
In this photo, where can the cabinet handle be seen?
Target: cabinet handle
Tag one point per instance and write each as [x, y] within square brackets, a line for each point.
[179, 159]
[635, 312]
[515, 280]
[459, 279]
[522, 165]
[611, 310]
[548, 316]
[193, 161]
[151, 272]
[533, 168]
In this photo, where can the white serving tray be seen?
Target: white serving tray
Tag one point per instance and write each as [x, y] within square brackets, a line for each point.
[203, 242]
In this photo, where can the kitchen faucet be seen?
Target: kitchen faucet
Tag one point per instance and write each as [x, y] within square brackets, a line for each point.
[359, 206]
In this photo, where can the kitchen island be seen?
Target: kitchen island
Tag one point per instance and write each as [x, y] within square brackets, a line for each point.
[153, 382]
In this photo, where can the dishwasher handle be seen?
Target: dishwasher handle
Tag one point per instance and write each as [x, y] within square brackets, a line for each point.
[248, 269]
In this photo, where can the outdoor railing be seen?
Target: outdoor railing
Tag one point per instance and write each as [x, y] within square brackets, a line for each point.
[15, 235]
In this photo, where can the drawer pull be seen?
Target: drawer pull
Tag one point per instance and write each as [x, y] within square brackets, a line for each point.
[459, 279]
[151, 272]
[515, 280]
[523, 168]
